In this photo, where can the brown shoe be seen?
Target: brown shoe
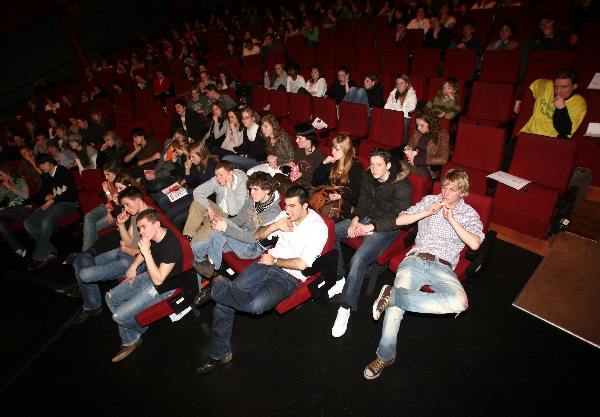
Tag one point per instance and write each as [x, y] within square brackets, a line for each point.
[374, 369]
[205, 268]
[382, 302]
[126, 351]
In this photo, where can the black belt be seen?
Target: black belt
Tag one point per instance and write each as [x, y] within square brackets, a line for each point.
[430, 257]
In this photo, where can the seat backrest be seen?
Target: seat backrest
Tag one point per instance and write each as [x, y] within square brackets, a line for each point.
[425, 62]
[354, 119]
[544, 64]
[491, 101]
[395, 61]
[460, 63]
[278, 100]
[92, 179]
[300, 107]
[481, 203]
[500, 66]
[421, 186]
[387, 127]
[479, 146]
[325, 109]
[260, 98]
[544, 160]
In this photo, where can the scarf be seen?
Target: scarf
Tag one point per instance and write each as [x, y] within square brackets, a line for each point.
[260, 207]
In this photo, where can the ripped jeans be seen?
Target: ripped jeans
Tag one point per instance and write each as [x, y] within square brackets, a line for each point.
[413, 273]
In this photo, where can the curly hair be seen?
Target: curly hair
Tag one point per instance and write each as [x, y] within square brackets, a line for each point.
[432, 121]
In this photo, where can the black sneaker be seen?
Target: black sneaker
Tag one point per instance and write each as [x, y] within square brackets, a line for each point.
[86, 314]
[209, 364]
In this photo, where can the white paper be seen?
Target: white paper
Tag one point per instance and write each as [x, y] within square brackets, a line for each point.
[174, 192]
[319, 124]
[508, 179]
[593, 130]
[595, 83]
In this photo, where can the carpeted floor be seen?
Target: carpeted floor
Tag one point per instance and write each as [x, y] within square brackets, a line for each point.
[493, 360]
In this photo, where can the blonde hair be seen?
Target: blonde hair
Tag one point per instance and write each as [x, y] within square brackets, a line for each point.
[109, 134]
[340, 170]
[459, 177]
[201, 150]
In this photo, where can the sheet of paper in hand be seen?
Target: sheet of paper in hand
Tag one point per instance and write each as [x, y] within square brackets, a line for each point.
[508, 179]
[319, 124]
[174, 192]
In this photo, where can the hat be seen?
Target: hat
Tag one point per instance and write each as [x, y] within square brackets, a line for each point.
[45, 157]
[75, 137]
[52, 143]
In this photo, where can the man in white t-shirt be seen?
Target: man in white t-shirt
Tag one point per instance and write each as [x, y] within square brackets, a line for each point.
[275, 276]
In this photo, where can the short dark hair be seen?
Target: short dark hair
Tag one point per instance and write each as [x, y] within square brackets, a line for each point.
[298, 191]
[308, 131]
[149, 214]
[228, 166]
[567, 73]
[45, 157]
[344, 68]
[211, 87]
[263, 180]
[131, 193]
[385, 155]
[138, 131]
[372, 76]
[179, 101]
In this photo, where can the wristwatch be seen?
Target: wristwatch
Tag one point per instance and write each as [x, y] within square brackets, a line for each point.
[275, 261]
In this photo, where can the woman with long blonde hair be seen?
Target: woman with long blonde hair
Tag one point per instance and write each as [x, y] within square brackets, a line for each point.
[341, 168]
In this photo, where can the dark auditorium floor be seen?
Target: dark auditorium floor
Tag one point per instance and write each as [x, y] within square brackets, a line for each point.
[493, 360]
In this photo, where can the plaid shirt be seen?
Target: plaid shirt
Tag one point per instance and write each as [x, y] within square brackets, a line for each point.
[437, 237]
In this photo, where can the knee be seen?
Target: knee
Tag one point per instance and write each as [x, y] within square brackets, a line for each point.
[257, 306]
[461, 302]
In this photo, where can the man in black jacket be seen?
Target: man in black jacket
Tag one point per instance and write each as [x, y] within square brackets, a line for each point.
[385, 192]
[187, 120]
[56, 199]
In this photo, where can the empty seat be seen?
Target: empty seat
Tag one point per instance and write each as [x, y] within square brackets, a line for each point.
[500, 67]
[460, 63]
[425, 62]
[300, 107]
[279, 103]
[354, 120]
[325, 109]
[395, 61]
[548, 163]
[491, 103]
[479, 151]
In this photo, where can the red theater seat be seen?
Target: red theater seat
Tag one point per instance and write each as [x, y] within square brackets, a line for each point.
[548, 163]
[479, 151]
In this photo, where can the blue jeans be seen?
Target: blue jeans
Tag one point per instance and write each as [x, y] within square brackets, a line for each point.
[406, 130]
[256, 290]
[92, 269]
[242, 162]
[128, 299]
[215, 245]
[364, 256]
[41, 224]
[358, 95]
[93, 221]
[7, 215]
[413, 273]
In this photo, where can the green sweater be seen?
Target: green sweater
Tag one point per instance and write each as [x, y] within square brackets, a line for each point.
[450, 107]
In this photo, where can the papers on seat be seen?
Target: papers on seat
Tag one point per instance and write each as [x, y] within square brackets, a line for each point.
[593, 130]
[508, 179]
[174, 192]
[319, 124]
[595, 83]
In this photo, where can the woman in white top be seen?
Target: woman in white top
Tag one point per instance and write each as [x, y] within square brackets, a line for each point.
[316, 86]
[403, 98]
[234, 136]
[295, 81]
[420, 21]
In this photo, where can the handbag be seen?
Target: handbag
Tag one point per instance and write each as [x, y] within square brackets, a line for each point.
[320, 201]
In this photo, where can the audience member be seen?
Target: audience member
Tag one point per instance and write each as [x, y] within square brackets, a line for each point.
[445, 224]
[446, 103]
[429, 146]
[252, 148]
[294, 81]
[385, 191]
[316, 86]
[112, 149]
[145, 153]
[187, 119]
[278, 147]
[505, 43]
[403, 98]
[302, 235]
[277, 80]
[307, 157]
[13, 193]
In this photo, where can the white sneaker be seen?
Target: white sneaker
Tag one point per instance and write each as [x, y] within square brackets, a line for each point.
[341, 322]
[337, 288]
[267, 107]
[21, 252]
